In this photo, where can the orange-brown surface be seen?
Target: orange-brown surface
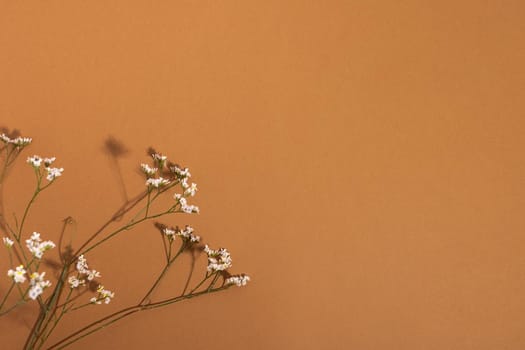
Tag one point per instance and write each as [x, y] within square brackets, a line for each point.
[362, 161]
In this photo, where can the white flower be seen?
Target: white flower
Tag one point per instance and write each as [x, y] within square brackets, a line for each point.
[53, 173]
[37, 247]
[18, 141]
[74, 282]
[35, 236]
[38, 278]
[189, 209]
[218, 260]
[92, 274]
[180, 199]
[35, 291]
[187, 233]
[102, 294]
[8, 242]
[37, 284]
[82, 268]
[159, 159]
[18, 275]
[157, 182]
[5, 138]
[82, 265]
[46, 245]
[21, 141]
[49, 161]
[191, 190]
[169, 232]
[35, 161]
[181, 173]
[238, 280]
[149, 171]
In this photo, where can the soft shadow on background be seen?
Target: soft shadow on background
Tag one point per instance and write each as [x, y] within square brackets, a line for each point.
[362, 161]
[116, 149]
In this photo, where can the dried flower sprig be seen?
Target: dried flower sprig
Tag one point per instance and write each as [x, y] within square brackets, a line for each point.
[75, 277]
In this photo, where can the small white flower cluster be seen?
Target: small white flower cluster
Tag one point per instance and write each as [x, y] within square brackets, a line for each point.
[37, 284]
[35, 161]
[102, 295]
[182, 174]
[189, 190]
[159, 158]
[177, 174]
[218, 260]
[75, 282]
[37, 247]
[82, 265]
[186, 234]
[82, 268]
[17, 141]
[157, 183]
[36, 280]
[185, 207]
[149, 171]
[52, 173]
[18, 275]
[84, 273]
[238, 280]
[8, 242]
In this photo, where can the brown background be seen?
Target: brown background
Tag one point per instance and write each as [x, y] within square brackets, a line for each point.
[362, 160]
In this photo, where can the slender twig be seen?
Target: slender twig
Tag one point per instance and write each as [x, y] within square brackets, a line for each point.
[79, 294]
[35, 333]
[57, 320]
[66, 222]
[7, 295]
[106, 321]
[163, 237]
[33, 198]
[163, 273]
[213, 281]
[148, 202]
[124, 228]
[201, 282]
[192, 267]
[8, 310]
[126, 207]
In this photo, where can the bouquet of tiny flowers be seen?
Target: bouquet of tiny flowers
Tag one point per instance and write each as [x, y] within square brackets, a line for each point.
[74, 286]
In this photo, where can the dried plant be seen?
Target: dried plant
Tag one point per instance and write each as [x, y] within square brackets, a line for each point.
[76, 287]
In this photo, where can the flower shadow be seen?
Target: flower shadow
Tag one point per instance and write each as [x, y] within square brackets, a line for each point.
[115, 149]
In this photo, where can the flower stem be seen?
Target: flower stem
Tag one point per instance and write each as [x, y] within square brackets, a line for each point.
[123, 228]
[108, 320]
[7, 295]
[41, 322]
[162, 274]
[118, 214]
